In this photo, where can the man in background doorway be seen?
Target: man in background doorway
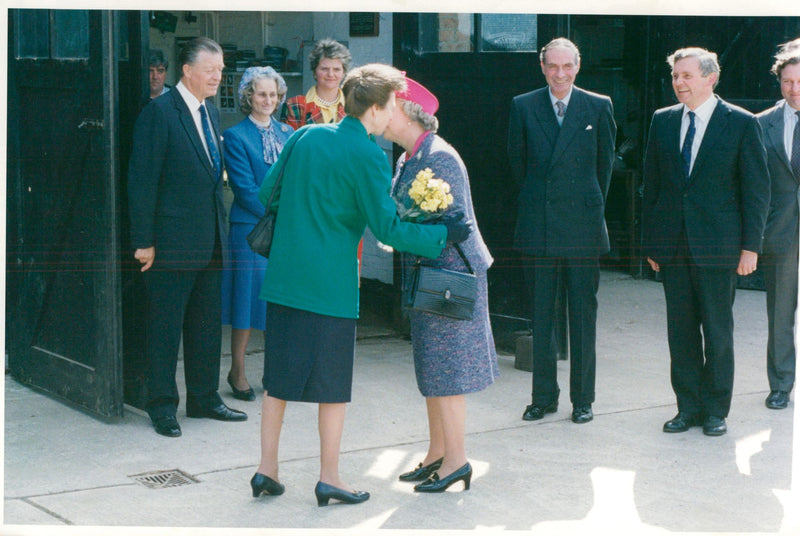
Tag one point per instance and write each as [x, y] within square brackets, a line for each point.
[158, 73]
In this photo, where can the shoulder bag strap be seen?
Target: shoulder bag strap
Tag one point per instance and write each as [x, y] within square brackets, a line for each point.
[280, 173]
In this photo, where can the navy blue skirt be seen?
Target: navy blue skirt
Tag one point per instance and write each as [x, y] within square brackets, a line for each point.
[308, 356]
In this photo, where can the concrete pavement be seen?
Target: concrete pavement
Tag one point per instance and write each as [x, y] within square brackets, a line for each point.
[68, 473]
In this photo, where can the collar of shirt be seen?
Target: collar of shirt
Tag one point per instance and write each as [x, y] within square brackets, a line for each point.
[194, 108]
[789, 121]
[553, 98]
[702, 112]
[258, 123]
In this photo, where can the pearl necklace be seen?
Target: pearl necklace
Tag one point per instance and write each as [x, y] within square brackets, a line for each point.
[327, 103]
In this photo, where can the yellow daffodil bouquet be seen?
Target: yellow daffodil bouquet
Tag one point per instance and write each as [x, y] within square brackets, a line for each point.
[425, 200]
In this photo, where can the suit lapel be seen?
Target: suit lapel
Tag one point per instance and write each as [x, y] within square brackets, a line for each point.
[715, 130]
[774, 138]
[186, 119]
[545, 117]
[574, 120]
[672, 131]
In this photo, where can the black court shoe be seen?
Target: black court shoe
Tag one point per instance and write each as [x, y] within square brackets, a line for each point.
[262, 484]
[248, 395]
[435, 484]
[421, 472]
[326, 492]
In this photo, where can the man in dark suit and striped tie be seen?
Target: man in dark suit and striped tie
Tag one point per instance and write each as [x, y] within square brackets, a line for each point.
[779, 262]
[177, 230]
[706, 194]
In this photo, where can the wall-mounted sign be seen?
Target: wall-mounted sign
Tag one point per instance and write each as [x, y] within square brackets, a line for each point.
[364, 24]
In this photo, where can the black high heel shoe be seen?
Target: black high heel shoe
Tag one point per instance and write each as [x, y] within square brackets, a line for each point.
[325, 492]
[264, 484]
[421, 472]
[434, 484]
[248, 395]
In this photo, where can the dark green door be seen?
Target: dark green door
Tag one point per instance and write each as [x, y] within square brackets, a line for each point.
[63, 326]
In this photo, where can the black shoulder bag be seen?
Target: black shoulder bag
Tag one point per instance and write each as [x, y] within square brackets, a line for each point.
[260, 238]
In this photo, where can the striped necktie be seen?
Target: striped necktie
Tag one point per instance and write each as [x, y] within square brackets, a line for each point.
[686, 150]
[796, 147]
[562, 108]
[212, 147]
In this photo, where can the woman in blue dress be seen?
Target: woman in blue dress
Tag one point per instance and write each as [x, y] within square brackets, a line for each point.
[251, 147]
[451, 357]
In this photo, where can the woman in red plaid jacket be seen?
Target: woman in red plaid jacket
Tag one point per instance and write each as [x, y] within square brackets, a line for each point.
[324, 102]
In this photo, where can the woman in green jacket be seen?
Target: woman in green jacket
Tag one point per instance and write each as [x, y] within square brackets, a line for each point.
[336, 182]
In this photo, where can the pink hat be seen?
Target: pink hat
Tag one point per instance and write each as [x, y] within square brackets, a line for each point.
[418, 93]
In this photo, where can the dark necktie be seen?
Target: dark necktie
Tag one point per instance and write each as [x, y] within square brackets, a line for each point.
[796, 147]
[562, 108]
[212, 147]
[686, 150]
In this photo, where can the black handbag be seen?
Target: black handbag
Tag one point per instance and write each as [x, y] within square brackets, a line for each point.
[260, 238]
[443, 292]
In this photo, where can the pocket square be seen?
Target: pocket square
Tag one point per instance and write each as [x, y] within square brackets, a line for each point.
[588, 127]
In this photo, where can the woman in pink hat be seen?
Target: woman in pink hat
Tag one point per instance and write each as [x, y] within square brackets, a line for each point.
[451, 357]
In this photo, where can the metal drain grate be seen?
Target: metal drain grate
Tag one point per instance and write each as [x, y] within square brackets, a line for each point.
[164, 479]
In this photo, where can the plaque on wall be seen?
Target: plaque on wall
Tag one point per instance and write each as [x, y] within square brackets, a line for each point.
[364, 24]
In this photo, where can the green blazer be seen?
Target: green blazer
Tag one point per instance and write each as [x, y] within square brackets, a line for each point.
[337, 181]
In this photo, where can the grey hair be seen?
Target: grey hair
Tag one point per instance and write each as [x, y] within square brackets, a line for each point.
[560, 42]
[190, 51]
[415, 112]
[708, 60]
[328, 48]
[247, 89]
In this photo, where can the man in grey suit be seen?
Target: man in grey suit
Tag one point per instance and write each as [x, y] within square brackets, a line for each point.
[561, 151]
[779, 261]
[706, 194]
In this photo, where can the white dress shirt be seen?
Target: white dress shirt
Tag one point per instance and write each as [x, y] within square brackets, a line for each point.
[789, 121]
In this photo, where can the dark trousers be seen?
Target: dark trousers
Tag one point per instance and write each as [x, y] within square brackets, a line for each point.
[187, 303]
[701, 362]
[780, 277]
[581, 277]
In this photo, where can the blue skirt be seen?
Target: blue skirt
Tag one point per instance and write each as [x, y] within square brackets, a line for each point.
[309, 357]
[241, 282]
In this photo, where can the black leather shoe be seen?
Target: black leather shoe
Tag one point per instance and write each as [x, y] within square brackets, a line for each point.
[421, 472]
[682, 422]
[534, 412]
[167, 426]
[220, 413]
[434, 484]
[582, 414]
[326, 492]
[777, 400]
[248, 395]
[714, 426]
[264, 484]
